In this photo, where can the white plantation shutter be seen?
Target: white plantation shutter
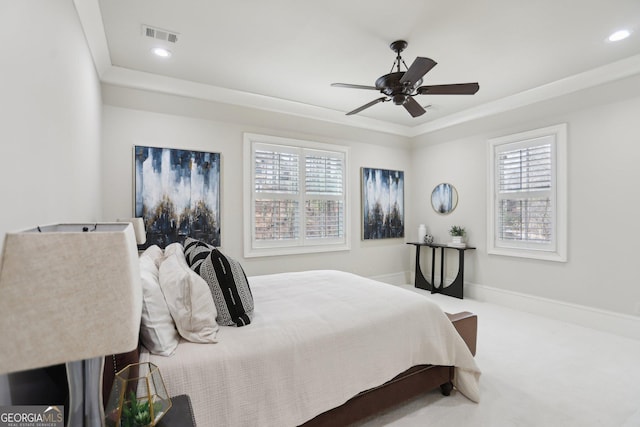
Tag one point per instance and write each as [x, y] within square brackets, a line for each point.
[276, 188]
[324, 219]
[276, 172]
[524, 194]
[298, 196]
[324, 195]
[324, 172]
[276, 219]
[527, 188]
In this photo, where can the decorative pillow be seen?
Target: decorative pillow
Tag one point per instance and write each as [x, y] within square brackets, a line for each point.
[155, 253]
[172, 249]
[157, 331]
[188, 298]
[226, 279]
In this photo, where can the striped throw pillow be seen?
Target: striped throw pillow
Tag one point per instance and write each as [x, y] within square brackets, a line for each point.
[226, 279]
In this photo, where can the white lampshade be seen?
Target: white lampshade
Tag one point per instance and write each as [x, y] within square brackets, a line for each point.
[68, 294]
[138, 228]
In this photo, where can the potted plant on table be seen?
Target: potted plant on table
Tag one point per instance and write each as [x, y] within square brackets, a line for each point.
[138, 397]
[457, 234]
[137, 413]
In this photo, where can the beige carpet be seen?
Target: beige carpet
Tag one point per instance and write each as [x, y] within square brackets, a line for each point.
[535, 372]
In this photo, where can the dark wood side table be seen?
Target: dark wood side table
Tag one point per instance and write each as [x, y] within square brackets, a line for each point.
[456, 288]
[180, 414]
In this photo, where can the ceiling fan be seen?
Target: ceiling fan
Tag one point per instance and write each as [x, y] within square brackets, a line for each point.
[401, 86]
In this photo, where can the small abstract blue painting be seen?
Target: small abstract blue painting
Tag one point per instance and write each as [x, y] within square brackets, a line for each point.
[382, 204]
[177, 192]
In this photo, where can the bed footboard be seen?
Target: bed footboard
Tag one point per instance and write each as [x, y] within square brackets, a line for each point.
[410, 383]
[466, 324]
[405, 386]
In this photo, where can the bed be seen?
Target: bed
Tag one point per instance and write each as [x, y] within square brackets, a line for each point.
[321, 348]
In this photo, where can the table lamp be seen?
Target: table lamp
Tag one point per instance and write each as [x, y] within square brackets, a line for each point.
[138, 228]
[70, 293]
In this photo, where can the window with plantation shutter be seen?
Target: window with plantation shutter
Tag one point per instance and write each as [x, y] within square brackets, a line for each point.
[524, 194]
[296, 198]
[527, 192]
[324, 198]
[276, 187]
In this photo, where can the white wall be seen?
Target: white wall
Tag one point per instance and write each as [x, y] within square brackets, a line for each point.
[133, 117]
[603, 202]
[50, 107]
[49, 117]
[602, 126]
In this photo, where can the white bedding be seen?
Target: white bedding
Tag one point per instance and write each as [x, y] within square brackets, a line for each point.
[317, 338]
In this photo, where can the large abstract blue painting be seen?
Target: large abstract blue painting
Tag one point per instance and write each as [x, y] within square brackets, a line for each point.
[177, 192]
[382, 204]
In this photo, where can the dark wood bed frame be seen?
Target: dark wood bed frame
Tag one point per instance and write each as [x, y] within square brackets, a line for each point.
[411, 383]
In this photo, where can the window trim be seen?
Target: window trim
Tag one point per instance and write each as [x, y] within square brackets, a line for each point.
[251, 249]
[558, 252]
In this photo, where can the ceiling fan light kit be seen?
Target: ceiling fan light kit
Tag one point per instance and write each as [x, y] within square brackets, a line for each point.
[401, 86]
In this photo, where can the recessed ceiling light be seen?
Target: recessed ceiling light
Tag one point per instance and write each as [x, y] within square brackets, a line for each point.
[619, 35]
[161, 52]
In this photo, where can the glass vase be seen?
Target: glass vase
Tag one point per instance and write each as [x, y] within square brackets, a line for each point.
[138, 397]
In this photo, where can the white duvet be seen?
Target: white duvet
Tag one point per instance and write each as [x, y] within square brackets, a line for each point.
[316, 339]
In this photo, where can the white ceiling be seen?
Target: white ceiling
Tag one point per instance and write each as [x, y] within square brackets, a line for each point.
[283, 54]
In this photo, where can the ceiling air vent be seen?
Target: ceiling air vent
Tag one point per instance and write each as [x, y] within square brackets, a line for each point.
[160, 34]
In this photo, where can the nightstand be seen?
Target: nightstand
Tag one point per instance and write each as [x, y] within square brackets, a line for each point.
[180, 414]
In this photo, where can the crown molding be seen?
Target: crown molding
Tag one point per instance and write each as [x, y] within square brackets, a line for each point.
[91, 21]
[604, 74]
[125, 77]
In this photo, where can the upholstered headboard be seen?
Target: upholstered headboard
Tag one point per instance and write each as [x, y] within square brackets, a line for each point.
[113, 364]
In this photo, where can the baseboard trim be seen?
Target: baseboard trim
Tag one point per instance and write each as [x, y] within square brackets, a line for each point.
[602, 320]
[606, 321]
[399, 278]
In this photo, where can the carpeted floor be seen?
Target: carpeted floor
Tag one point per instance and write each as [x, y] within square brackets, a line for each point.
[535, 372]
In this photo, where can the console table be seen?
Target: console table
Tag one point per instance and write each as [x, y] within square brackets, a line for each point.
[455, 289]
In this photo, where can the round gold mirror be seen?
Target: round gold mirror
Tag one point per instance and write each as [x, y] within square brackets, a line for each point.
[444, 198]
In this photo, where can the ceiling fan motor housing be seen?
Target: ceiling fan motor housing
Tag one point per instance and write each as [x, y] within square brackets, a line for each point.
[399, 99]
[390, 85]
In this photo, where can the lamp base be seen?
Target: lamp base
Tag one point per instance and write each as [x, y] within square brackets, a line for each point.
[85, 393]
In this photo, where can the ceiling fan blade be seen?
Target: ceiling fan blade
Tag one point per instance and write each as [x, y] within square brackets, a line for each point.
[452, 89]
[419, 68]
[350, 86]
[365, 106]
[412, 106]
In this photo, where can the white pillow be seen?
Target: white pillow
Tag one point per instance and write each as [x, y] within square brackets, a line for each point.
[188, 298]
[172, 249]
[155, 253]
[157, 330]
